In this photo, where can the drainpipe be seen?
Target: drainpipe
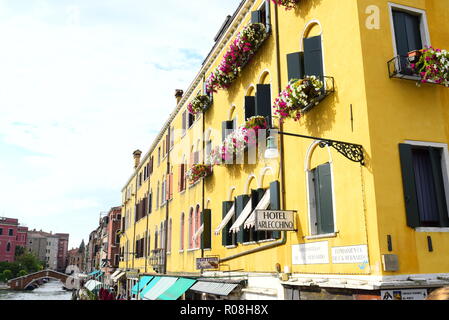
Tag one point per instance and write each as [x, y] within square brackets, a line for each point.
[283, 240]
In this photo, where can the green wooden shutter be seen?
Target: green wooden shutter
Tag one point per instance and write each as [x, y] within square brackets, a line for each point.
[408, 180]
[435, 156]
[313, 57]
[275, 203]
[226, 237]
[263, 101]
[256, 196]
[325, 211]
[241, 202]
[295, 65]
[250, 107]
[206, 237]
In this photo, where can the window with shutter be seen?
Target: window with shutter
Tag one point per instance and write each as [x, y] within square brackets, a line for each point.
[313, 57]
[263, 102]
[241, 201]
[324, 211]
[228, 239]
[206, 236]
[423, 184]
[250, 107]
[275, 203]
[407, 34]
[295, 65]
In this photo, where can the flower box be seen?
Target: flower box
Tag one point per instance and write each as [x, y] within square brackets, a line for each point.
[197, 172]
[414, 56]
[298, 97]
[241, 50]
[432, 66]
[199, 104]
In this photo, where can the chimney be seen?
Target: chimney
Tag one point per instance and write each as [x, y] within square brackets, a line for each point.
[137, 155]
[178, 94]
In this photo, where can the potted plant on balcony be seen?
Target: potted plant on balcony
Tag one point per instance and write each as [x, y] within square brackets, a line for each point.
[199, 104]
[288, 4]
[241, 50]
[198, 171]
[297, 96]
[433, 66]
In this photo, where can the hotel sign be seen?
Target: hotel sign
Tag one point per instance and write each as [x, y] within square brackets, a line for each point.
[271, 220]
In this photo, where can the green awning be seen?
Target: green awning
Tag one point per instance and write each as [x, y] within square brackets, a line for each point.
[149, 286]
[177, 289]
[139, 286]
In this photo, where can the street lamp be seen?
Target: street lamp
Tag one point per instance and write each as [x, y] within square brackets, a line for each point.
[272, 151]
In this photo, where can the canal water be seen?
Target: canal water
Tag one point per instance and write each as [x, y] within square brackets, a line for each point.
[48, 291]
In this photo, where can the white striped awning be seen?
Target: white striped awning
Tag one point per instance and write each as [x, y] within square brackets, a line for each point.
[225, 221]
[262, 205]
[217, 288]
[242, 217]
[198, 233]
[159, 288]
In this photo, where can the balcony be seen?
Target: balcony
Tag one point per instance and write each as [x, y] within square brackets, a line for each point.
[422, 66]
[157, 259]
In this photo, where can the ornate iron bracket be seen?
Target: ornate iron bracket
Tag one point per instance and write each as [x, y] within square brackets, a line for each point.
[351, 151]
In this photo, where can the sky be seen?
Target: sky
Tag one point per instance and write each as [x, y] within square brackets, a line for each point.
[84, 83]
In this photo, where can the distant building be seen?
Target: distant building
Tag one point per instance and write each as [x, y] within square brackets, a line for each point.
[63, 246]
[8, 235]
[49, 248]
[76, 257]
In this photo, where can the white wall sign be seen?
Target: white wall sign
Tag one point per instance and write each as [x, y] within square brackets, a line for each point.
[352, 254]
[412, 294]
[311, 253]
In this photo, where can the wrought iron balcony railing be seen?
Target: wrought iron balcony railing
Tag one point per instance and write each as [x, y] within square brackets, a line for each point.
[329, 87]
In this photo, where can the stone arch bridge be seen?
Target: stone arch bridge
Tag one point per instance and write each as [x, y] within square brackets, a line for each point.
[22, 282]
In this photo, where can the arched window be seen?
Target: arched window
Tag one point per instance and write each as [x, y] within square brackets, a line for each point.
[8, 247]
[155, 239]
[181, 235]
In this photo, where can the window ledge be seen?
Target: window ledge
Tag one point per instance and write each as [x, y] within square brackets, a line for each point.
[181, 251]
[430, 229]
[182, 192]
[322, 236]
[231, 247]
[193, 249]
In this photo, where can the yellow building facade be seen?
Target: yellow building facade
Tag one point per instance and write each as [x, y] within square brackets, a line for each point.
[364, 226]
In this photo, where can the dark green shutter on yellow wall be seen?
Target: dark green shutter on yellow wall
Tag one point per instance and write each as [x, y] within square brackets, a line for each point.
[206, 237]
[275, 202]
[227, 238]
[313, 57]
[250, 107]
[263, 101]
[323, 196]
[408, 181]
[295, 65]
[240, 204]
